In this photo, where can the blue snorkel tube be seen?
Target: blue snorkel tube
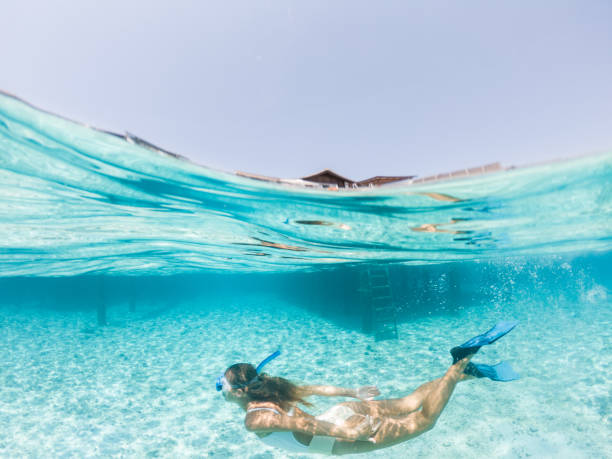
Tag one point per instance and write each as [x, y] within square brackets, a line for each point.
[263, 363]
[267, 360]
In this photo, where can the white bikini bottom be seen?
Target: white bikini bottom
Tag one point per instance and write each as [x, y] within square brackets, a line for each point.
[337, 414]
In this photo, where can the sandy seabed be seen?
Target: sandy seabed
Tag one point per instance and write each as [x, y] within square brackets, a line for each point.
[144, 385]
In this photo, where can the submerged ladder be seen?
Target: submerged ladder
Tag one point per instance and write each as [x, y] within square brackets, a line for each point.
[379, 315]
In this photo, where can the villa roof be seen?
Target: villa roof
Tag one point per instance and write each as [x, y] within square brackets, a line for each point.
[328, 176]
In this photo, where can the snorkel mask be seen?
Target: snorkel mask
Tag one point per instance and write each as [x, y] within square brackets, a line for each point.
[222, 382]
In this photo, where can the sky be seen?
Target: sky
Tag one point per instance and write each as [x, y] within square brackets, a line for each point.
[287, 88]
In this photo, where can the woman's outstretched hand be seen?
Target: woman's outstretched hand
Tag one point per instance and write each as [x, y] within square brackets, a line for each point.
[367, 393]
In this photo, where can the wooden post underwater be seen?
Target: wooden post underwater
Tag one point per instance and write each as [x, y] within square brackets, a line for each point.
[132, 304]
[135, 290]
[101, 303]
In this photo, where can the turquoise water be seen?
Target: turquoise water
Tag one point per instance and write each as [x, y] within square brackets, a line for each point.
[193, 269]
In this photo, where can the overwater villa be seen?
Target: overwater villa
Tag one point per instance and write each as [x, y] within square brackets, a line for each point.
[330, 180]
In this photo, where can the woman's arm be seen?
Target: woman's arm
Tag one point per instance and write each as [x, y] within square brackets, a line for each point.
[362, 393]
[269, 422]
[328, 391]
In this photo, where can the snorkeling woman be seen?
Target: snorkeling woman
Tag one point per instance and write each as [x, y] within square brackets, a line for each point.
[357, 426]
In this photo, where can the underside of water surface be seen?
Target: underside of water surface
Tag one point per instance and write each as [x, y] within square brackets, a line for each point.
[78, 200]
[130, 279]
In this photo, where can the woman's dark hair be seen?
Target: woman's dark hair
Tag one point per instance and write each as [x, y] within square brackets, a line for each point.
[264, 388]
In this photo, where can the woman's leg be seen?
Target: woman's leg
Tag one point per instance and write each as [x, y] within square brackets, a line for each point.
[398, 406]
[408, 404]
[395, 406]
[399, 429]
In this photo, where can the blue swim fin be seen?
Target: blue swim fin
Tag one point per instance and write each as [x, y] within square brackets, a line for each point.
[500, 372]
[471, 346]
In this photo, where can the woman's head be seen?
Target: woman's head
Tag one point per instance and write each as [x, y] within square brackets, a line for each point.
[245, 385]
[241, 374]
